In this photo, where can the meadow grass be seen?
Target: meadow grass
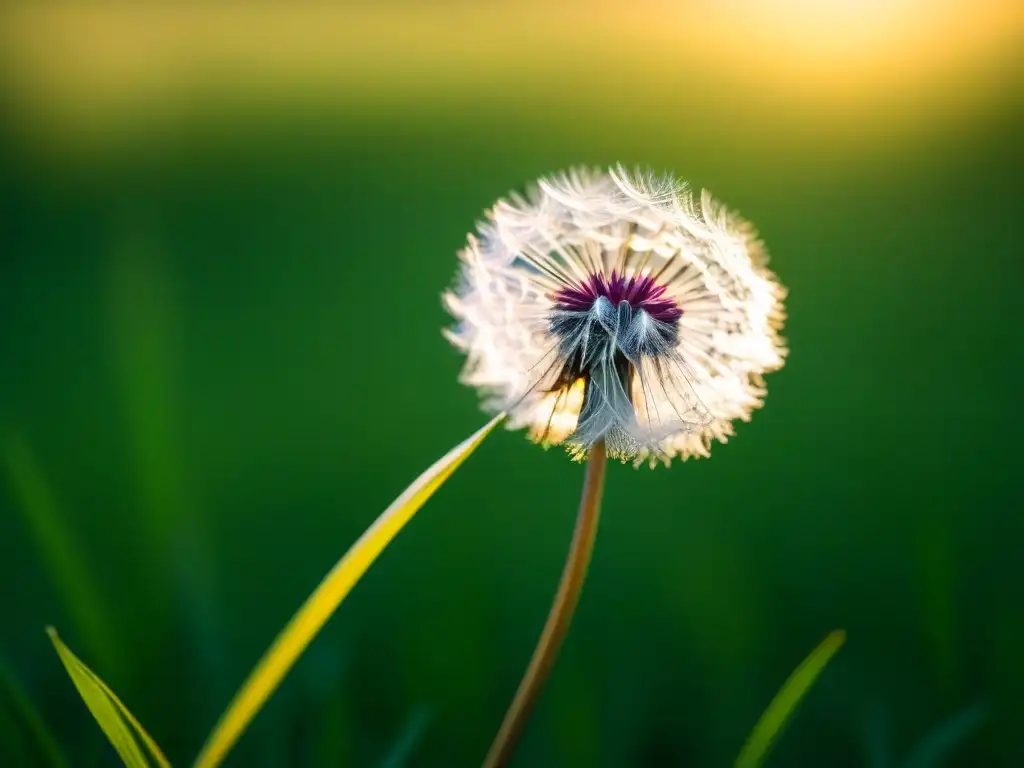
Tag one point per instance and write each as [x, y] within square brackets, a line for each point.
[36, 743]
[119, 724]
[72, 578]
[137, 749]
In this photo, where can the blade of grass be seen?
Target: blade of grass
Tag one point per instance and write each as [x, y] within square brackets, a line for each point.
[113, 717]
[44, 745]
[148, 344]
[101, 707]
[944, 737]
[319, 607]
[877, 752]
[781, 707]
[151, 745]
[410, 737]
[65, 562]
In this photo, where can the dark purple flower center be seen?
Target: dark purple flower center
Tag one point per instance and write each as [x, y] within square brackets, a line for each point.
[640, 292]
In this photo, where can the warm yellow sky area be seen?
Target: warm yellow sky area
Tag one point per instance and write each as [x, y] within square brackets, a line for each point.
[92, 66]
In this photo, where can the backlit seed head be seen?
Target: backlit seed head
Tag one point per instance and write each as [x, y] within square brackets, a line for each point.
[615, 307]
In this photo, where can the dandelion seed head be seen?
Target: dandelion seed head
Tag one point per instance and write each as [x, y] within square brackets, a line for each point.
[615, 306]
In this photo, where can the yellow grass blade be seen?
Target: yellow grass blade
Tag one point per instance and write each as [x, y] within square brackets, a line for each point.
[785, 701]
[151, 745]
[317, 609]
[108, 710]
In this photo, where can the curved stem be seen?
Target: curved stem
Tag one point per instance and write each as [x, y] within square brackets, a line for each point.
[559, 617]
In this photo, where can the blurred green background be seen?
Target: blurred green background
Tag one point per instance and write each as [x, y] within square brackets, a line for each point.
[220, 331]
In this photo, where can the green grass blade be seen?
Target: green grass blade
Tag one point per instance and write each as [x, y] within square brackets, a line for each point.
[146, 346]
[151, 745]
[877, 752]
[44, 746]
[147, 343]
[65, 563]
[101, 707]
[944, 737]
[113, 717]
[781, 707]
[410, 737]
[319, 607]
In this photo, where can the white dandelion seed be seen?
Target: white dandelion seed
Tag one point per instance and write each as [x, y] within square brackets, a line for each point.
[614, 307]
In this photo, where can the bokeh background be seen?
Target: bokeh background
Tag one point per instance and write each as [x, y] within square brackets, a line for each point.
[224, 235]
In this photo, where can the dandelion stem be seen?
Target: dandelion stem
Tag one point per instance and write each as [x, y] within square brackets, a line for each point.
[560, 616]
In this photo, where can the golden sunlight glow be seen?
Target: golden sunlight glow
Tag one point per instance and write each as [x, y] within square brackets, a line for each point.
[100, 64]
[865, 41]
[564, 409]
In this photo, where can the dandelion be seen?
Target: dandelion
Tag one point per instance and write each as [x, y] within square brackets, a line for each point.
[614, 307]
[616, 315]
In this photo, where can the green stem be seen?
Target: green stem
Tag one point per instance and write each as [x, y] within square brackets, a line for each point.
[560, 616]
